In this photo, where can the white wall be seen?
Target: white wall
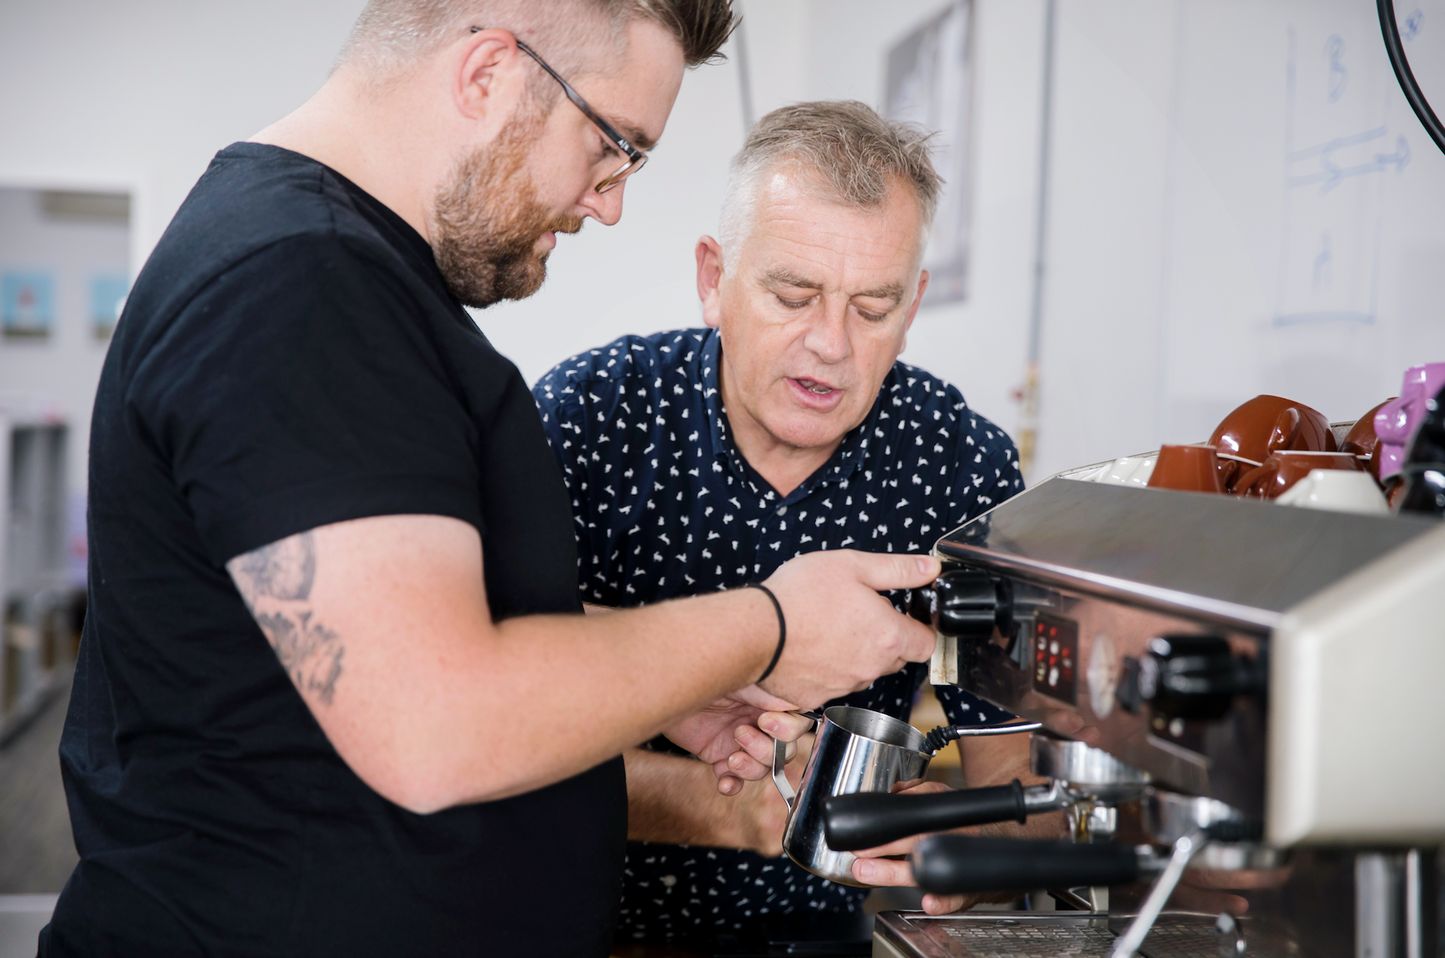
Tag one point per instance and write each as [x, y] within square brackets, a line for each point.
[1159, 244]
[144, 94]
[979, 345]
[1177, 243]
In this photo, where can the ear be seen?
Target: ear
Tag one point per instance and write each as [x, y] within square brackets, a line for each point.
[913, 307]
[709, 280]
[487, 78]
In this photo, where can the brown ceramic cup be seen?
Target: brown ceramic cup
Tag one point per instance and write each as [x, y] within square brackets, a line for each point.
[1284, 468]
[1266, 424]
[1186, 468]
[1362, 440]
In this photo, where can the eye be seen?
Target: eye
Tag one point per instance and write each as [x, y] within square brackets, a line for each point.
[872, 318]
[793, 304]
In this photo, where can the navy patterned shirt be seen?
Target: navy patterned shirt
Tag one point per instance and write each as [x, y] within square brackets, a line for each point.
[666, 506]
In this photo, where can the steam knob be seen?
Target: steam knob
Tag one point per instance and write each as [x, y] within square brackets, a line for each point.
[1196, 676]
[971, 604]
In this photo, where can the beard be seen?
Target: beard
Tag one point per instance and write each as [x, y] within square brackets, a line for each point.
[487, 221]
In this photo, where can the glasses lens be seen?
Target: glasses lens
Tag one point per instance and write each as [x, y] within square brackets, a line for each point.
[632, 166]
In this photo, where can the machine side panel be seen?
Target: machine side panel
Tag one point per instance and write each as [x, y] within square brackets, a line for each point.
[1356, 707]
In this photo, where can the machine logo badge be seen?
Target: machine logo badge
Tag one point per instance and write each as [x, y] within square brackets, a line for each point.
[1102, 675]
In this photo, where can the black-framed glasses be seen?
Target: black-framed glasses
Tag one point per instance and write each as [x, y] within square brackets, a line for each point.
[636, 159]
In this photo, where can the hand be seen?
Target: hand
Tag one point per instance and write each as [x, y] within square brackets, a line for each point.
[872, 868]
[841, 633]
[708, 732]
[736, 738]
[1204, 888]
[759, 812]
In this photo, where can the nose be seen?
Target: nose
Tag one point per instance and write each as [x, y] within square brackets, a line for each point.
[827, 336]
[605, 208]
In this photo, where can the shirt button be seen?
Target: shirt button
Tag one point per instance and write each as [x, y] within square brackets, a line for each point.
[782, 510]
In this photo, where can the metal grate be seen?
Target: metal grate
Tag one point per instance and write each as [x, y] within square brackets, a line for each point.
[994, 939]
[1173, 936]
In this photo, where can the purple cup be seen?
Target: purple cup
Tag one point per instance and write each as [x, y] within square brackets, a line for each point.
[1398, 419]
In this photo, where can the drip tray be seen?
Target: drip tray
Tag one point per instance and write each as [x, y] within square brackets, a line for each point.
[913, 935]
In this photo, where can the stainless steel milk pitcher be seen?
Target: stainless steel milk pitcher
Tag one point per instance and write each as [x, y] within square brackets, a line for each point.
[856, 750]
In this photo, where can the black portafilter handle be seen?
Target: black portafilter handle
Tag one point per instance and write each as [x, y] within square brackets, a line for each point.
[870, 819]
[956, 864]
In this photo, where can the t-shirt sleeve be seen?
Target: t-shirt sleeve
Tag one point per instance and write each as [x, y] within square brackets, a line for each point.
[304, 387]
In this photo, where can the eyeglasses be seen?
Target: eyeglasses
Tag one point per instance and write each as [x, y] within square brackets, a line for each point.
[636, 159]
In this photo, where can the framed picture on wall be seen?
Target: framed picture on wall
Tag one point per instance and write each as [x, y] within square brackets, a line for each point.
[27, 304]
[929, 82]
[107, 299]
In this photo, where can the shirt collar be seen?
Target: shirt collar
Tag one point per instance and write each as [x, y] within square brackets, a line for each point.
[845, 459]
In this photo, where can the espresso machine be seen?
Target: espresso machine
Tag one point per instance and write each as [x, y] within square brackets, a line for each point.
[1241, 706]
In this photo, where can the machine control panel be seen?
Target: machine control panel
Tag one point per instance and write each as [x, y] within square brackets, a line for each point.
[1055, 657]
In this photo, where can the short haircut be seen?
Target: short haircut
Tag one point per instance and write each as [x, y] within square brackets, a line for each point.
[842, 151]
[389, 34]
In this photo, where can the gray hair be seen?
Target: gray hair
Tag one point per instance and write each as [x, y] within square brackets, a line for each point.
[844, 151]
[391, 34]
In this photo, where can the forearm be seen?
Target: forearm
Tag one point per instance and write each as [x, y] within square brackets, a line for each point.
[383, 625]
[619, 679]
[998, 760]
[673, 799]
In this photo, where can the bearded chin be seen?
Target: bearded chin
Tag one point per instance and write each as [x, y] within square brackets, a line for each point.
[479, 273]
[487, 221]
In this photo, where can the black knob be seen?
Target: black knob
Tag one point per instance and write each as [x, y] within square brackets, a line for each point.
[969, 604]
[1196, 676]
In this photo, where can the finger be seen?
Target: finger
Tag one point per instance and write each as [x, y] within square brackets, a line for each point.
[880, 871]
[759, 746]
[745, 767]
[943, 904]
[788, 726]
[882, 571]
[729, 784]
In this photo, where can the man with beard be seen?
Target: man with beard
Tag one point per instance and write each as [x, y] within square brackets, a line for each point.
[334, 694]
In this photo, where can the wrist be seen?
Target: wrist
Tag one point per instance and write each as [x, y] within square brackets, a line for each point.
[782, 626]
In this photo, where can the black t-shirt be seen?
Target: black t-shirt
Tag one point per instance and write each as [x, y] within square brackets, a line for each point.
[288, 358]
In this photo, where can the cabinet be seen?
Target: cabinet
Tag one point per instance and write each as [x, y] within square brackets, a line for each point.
[35, 596]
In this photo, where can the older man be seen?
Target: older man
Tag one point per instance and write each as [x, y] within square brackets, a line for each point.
[330, 699]
[700, 460]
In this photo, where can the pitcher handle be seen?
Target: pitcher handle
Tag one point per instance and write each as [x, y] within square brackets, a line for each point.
[780, 778]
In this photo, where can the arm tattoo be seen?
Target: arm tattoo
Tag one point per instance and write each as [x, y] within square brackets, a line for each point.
[275, 582]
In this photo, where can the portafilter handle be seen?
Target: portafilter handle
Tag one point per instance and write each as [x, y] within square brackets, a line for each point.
[957, 864]
[867, 820]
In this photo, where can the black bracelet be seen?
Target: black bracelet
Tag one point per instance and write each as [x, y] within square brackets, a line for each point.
[782, 629]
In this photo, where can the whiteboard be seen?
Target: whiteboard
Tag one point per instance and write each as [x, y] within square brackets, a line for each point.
[1304, 210]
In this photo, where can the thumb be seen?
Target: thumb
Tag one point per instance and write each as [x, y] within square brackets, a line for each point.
[881, 572]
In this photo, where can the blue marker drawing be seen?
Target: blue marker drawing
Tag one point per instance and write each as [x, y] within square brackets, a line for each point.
[1323, 316]
[1339, 143]
[1412, 25]
[1339, 75]
[1331, 174]
[1322, 262]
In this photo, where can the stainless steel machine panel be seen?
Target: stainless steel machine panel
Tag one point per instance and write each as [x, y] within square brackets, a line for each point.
[1230, 559]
